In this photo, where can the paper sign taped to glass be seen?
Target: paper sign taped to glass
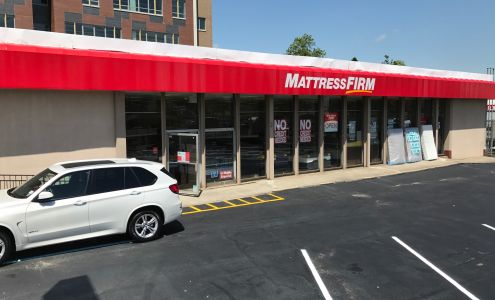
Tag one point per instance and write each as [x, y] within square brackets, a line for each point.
[396, 151]
[428, 143]
[413, 145]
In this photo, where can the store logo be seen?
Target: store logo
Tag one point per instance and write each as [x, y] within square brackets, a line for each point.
[351, 85]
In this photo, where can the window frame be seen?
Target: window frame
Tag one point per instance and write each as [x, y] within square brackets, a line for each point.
[85, 193]
[154, 10]
[199, 27]
[176, 13]
[5, 18]
[89, 4]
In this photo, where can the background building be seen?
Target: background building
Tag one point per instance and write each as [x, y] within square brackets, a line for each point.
[187, 22]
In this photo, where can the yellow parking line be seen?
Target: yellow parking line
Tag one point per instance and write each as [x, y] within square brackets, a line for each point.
[242, 200]
[233, 205]
[260, 200]
[276, 197]
[228, 202]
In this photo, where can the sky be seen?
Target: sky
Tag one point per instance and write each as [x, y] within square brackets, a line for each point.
[440, 34]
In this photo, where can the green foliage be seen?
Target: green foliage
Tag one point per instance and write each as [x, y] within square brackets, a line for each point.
[354, 59]
[305, 46]
[390, 61]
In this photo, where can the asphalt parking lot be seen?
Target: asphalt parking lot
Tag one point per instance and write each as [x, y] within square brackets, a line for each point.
[411, 236]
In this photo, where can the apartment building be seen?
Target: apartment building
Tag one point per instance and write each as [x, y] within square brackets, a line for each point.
[187, 22]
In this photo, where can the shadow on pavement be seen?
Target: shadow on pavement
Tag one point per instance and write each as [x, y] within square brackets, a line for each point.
[72, 288]
[88, 244]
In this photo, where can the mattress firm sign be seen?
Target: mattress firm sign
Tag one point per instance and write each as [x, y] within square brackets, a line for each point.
[350, 85]
[396, 151]
[413, 145]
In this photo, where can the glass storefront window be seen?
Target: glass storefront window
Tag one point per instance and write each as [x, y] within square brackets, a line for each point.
[283, 126]
[182, 111]
[308, 133]
[143, 126]
[219, 111]
[219, 138]
[332, 118]
[393, 113]
[376, 132]
[410, 113]
[219, 149]
[355, 132]
[426, 111]
[253, 136]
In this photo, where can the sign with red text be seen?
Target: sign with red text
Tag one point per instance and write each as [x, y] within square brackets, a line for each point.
[281, 131]
[183, 157]
[331, 122]
[305, 131]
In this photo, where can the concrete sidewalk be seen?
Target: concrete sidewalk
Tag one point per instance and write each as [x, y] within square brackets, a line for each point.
[254, 188]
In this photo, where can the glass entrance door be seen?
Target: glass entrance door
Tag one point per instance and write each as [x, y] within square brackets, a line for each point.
[183, 161]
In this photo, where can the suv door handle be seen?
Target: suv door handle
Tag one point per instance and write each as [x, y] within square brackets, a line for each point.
[80, 203]
[135, 193]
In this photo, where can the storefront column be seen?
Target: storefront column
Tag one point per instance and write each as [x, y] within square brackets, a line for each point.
[366, 132]
[164, 131]
[120, 129]
[402, 112]
[237, 134]
[321, 156]
[384, 131]
[344, 133]
[202, 140]
[436, 108]
[270, 139]
[295, 139]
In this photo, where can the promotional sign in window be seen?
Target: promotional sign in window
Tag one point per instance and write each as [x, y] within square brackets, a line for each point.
[331, 122]
[428, 143]
[305, 131]
[352, 131]
[281, 131]
[226, 174]
[413, 145]
[396, 151]
[183, 157]
[374, 128]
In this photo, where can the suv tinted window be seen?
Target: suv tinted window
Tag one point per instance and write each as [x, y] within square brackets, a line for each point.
[145, 177]
[131, 180]
[70, 185]
[106, 180]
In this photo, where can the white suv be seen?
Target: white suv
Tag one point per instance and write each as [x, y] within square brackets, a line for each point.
[84, 199]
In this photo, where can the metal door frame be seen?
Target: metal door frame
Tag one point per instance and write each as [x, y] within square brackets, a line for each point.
[197, 164]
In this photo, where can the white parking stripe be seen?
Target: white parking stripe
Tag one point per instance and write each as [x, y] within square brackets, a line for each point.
[447, 277]
[488, 226]
[317, 277]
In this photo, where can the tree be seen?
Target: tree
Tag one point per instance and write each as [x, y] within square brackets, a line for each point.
[305, 46]
[354, 59]
[391, 61]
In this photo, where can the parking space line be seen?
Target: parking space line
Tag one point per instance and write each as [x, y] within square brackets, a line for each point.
[488, 226]
[440, 272]
[230, 204]
[242, 200]
[316, 275]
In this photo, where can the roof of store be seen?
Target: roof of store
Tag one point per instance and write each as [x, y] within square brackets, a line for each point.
[47, 60]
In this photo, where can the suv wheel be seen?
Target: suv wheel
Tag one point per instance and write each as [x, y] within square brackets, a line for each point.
[145, 226]
[6, 247]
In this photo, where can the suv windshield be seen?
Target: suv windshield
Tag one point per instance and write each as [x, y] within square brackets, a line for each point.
[32, 185]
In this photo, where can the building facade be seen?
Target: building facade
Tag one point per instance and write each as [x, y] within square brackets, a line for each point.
[215, 116]
[187, 22]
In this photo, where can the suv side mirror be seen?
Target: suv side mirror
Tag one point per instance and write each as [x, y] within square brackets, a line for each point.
[43, 196]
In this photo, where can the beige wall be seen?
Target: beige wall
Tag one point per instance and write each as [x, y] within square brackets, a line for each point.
[205, 38]
[39, 128]
[467, 133]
